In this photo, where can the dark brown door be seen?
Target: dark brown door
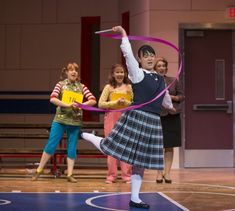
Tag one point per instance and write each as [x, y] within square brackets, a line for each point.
[90, 60]
[209, 94]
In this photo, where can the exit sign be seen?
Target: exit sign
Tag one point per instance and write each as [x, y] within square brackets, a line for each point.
[230, 12]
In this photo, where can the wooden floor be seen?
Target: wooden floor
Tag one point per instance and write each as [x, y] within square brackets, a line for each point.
[208, 189]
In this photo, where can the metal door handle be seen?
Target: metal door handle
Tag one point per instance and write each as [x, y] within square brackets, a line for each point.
[215, 107]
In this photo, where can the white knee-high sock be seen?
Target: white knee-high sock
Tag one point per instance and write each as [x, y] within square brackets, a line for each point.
[93, 139]
[136, 181]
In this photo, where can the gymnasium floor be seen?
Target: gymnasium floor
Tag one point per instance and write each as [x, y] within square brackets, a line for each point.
[192, 189]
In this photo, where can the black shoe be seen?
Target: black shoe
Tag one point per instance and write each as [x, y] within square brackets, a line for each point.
[167, 180]
[159, 180]
[139, 205]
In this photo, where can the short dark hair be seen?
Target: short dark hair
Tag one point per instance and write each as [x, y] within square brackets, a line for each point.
[145, 49]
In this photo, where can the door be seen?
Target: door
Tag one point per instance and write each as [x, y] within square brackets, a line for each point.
[90, 60]
[209, 96]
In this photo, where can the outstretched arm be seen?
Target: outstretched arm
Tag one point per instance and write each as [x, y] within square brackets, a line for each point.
[135, 73]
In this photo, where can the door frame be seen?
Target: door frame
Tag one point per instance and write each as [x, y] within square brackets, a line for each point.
[203, 26]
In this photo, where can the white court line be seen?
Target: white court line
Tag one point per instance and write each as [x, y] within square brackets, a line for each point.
[201, 192]
[208, 193]
[4, 202]
[89, 201]
[173, 201]
[209, 185]
[16, 191]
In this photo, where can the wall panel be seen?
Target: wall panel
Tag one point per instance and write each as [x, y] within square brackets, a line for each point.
[13, 36]
[23, 11]
[2, 48]
[50, 46]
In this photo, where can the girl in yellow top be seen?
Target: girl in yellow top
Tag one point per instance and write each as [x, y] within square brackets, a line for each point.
[115, 95]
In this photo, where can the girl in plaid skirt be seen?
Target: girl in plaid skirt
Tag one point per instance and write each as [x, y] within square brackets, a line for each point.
[137, 136]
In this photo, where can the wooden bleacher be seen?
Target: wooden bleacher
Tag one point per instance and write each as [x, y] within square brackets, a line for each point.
[30, 131]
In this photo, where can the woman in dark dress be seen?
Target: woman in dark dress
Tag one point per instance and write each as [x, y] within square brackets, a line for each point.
[171, 121]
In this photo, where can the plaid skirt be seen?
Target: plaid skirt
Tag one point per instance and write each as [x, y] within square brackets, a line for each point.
[136, 139]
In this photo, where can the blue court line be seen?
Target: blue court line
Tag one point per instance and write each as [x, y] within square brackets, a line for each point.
[83, 202]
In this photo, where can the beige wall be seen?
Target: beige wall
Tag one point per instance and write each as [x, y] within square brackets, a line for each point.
[38, 37]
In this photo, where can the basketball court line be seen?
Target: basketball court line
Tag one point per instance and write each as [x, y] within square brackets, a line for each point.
[83, 201]
[173, 201]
